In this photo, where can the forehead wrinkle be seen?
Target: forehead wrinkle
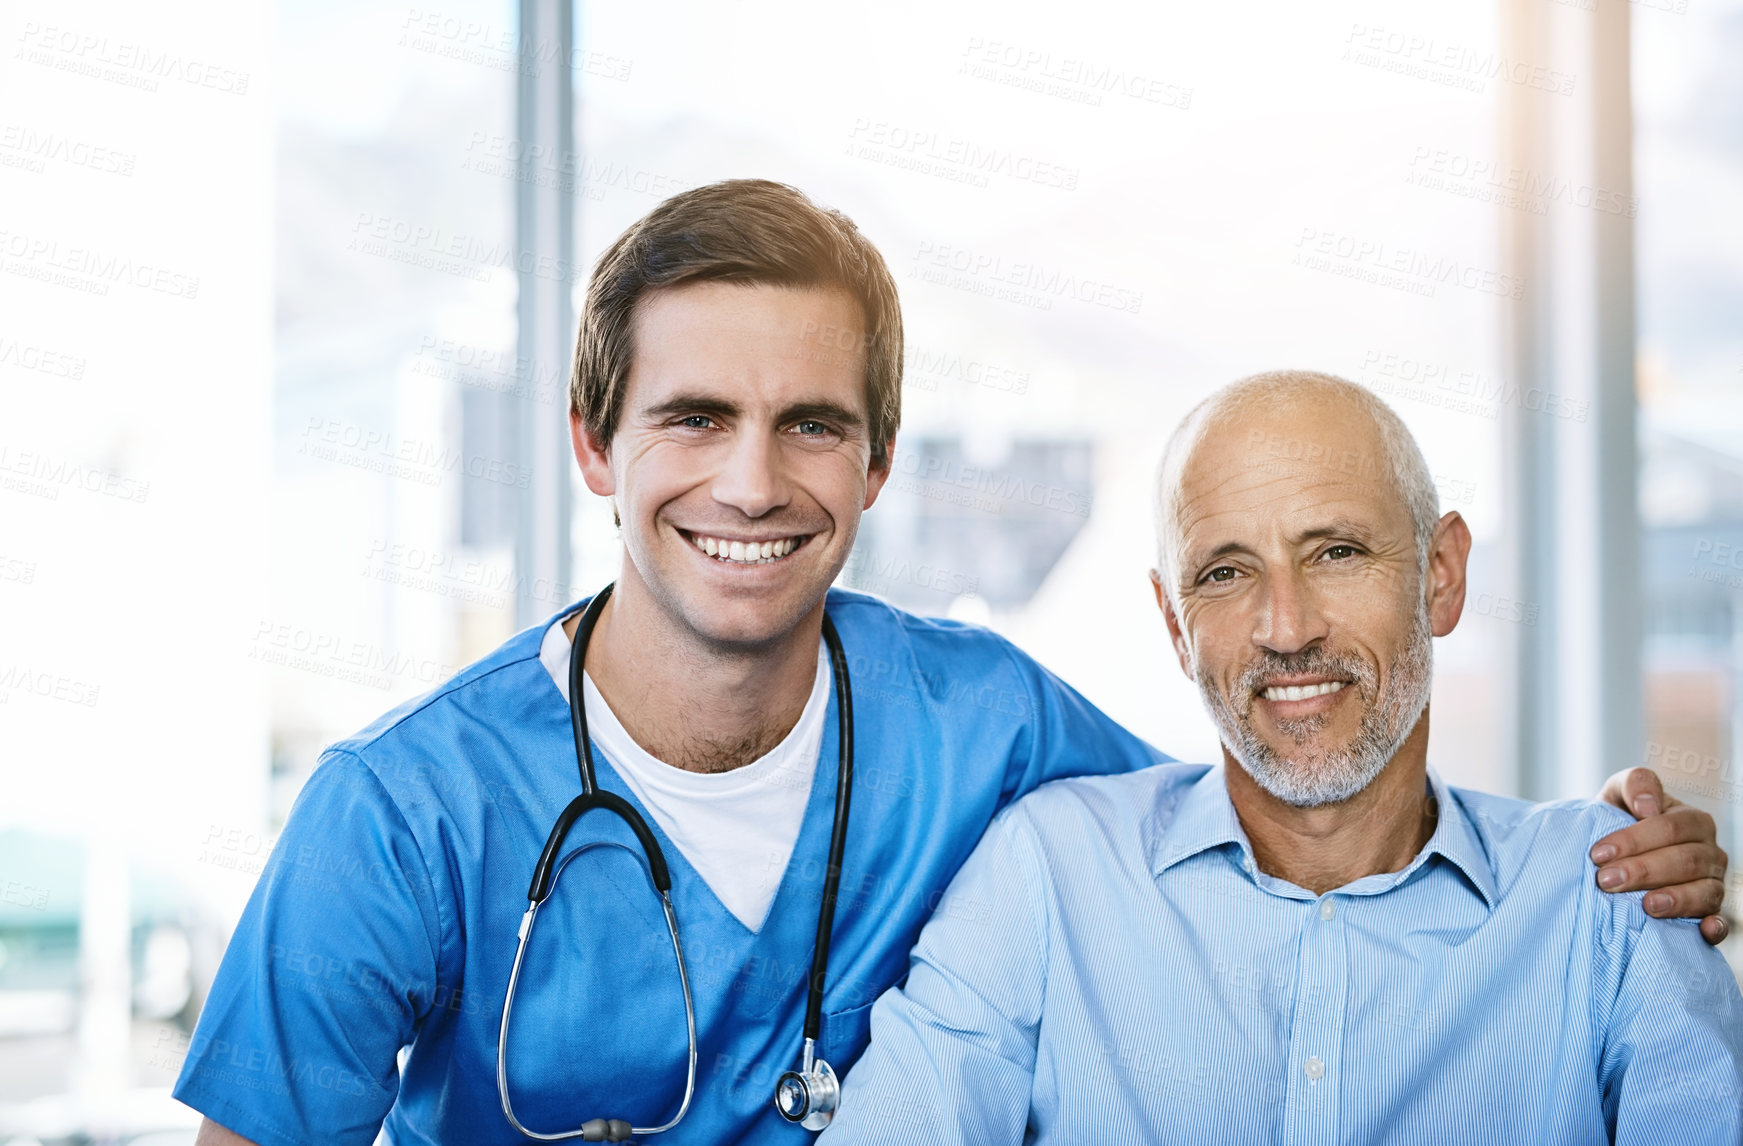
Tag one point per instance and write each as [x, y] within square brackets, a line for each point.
[1330, 507]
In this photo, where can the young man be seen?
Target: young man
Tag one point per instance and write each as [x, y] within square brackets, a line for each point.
[1317, 941]
[736, 396]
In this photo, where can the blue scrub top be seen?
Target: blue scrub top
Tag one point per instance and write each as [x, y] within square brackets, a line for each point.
[387, 916]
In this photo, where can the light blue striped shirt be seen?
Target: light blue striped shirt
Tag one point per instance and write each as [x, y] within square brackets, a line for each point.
[1110, 967]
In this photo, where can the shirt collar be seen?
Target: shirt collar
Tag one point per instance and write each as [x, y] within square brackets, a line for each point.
[1202, 817]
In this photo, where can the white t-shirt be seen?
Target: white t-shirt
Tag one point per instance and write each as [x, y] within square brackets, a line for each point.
[736, 828]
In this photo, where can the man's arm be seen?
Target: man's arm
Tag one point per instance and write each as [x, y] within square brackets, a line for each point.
[1067, 735]
[211, 1134]
[952, 1055]
[329, 970]
[1672, 853]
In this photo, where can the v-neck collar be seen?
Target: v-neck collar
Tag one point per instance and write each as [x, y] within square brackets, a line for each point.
[791, 922]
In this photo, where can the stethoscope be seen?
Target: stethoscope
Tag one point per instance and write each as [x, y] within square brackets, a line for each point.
[807, 1096]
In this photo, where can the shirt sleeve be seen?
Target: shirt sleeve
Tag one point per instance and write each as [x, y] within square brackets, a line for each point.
[327, 974]
[1672, 1063]
[1068, 736]
[952, 1054]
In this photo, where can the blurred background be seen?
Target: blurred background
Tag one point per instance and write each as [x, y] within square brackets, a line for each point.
[288, 303]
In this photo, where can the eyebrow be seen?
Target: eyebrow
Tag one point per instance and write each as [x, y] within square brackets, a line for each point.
[692, 404]
[825, 412]
[1337, 527]
[723, 407]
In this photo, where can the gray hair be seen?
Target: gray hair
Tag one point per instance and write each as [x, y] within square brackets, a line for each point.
[1404, 463]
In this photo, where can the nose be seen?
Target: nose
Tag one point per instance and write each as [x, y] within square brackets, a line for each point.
[751, 480]
[1289, 618]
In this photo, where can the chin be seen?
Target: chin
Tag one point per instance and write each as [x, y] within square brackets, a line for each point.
[744, 622]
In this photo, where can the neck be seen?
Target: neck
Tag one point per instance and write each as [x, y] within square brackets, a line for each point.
[689, 703]
[1382, 828]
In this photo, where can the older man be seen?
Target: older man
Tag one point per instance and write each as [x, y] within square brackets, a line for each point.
[1318, 940]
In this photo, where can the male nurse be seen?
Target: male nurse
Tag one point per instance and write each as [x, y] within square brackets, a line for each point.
[736, 396]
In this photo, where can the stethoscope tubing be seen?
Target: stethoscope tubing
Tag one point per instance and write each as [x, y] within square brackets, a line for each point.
[592, 797]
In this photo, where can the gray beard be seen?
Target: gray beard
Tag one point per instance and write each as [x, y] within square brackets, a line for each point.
[1313, 776]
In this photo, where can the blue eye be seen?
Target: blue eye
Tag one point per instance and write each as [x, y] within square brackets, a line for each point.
[697, 422]
[811, 429]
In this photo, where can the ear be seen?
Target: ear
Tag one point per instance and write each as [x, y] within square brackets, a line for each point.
[594, 457]
[876, 475]
[1176, 636]
[1447, 554]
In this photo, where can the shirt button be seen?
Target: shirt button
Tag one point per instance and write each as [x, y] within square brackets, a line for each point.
[1315, 1068]
[1327, 909]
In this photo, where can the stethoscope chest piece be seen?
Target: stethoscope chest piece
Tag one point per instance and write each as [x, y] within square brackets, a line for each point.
[809, 1095]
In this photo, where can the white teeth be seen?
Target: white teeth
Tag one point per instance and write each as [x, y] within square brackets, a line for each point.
[746, 552]
[1303, 691]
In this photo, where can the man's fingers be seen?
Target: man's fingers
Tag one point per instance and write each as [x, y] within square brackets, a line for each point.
[1637, 791]
[1667, 867]
[1682, 825]
[1714, 929]
[1685, 900]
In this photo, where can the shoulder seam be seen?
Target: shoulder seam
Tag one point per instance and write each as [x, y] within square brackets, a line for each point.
[1031, 725]
[449, 689]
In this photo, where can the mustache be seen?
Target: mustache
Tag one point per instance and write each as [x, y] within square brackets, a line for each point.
[1309, 662]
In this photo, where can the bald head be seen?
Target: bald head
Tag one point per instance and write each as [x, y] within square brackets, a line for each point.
[1282, 426]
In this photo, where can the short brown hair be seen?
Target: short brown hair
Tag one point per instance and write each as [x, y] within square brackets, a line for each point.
[747, 231]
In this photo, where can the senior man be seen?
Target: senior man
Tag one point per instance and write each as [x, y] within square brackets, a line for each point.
[1318, 940]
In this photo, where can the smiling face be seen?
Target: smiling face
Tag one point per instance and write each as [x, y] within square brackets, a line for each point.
[741, 463]
[1299, 605]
